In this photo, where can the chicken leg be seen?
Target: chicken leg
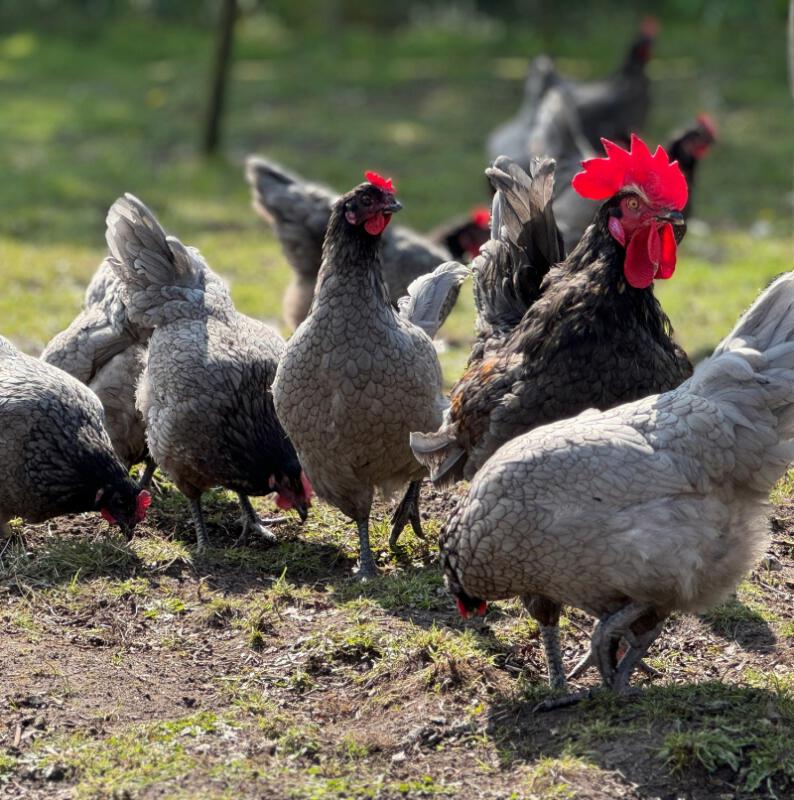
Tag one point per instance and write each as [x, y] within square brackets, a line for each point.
[407, 511]
[547, 614]
[366, 563]
[148, 473]
[202, 539]
[606, 638]
[251, 522]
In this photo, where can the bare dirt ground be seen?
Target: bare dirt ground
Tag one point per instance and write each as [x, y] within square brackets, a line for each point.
[142, 670]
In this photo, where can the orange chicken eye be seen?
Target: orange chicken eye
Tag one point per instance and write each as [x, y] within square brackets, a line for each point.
[632, 203]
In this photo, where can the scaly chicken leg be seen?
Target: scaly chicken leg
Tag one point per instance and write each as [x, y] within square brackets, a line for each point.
[547, 614]
[366, 562]
[407, 511]
[202, 539]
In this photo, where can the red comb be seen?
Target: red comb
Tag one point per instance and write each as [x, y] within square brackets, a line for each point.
[481, 217]
[308, 489]
[708, 125]
[379, 181]
[655, 175]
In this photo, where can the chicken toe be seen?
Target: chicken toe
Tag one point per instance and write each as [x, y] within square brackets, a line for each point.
[407, 511]
[252, 523]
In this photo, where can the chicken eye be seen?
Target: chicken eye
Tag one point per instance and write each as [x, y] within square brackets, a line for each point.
[632, 203]
[366, 200]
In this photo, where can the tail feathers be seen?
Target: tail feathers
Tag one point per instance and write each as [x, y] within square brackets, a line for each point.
[269, 183]
[441, 454]
[431, 297]
[155, 269]
[525, 243]
[750, 376]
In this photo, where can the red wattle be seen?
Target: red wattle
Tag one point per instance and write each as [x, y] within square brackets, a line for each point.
[107, 516]
[638, 267]
[308, 489]
[669, 249]
[377, 224]
[283, 503]
[482, 608]
[141, 504]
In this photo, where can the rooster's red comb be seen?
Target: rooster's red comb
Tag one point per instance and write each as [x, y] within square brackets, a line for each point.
[481, 217]
[379, 181]
[659, 179]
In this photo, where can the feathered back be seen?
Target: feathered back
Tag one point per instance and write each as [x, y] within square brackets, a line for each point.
[524, 245]
[163, 280]
[431, 297]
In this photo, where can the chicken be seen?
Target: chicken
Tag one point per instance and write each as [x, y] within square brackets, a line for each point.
[105, 350]
[655, 506]
[587, 332]
[464, 236]
[57, 457]
[299, 212]
[357, 377]
[574, 212]
[611, 108]
[205, 390]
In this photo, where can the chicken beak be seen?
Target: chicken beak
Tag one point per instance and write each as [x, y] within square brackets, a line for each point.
[676, 219]
[127, 529]
[393, 205]
[303, 512]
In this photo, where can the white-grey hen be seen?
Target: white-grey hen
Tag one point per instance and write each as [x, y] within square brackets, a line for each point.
[205, 391]
[57, 457]
[357, 377]
[654, 506]
[103, 349]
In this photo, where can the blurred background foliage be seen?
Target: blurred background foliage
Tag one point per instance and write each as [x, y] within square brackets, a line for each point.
[106, 96]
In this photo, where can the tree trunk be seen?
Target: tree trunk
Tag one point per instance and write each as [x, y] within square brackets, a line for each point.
[220, 74]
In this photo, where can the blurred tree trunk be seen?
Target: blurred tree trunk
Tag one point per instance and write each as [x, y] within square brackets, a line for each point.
[220, 75]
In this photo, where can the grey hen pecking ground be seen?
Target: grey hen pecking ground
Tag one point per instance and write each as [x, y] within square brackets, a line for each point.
[205, 391]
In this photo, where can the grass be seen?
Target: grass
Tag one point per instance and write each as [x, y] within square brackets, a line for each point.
[144, 669]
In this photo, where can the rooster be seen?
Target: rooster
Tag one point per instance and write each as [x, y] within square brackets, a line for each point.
[611, 108]
[103, 349]
[57, 457]
[654, 506]
[205, 390]
[299, 212]
[357, 377]
[556, 340]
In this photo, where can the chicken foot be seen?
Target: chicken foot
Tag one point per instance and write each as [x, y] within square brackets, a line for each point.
[252, 522]
[366, 563]
[407, 511]
[202, 539]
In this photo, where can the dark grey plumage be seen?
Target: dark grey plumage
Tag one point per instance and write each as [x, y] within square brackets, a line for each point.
[57, 457]
[205, 390]
[105, 350]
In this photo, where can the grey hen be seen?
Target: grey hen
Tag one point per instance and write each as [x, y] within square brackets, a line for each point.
[57, 457]
[651, 507]
[357, 377]
[105, 350]
[205, 390]
[299, 212]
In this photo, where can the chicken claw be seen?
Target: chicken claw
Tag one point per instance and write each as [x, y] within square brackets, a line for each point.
[252, 523]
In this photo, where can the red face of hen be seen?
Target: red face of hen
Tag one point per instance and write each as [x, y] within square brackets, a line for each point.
[294, 495]
[373, 204]
[647, 221]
